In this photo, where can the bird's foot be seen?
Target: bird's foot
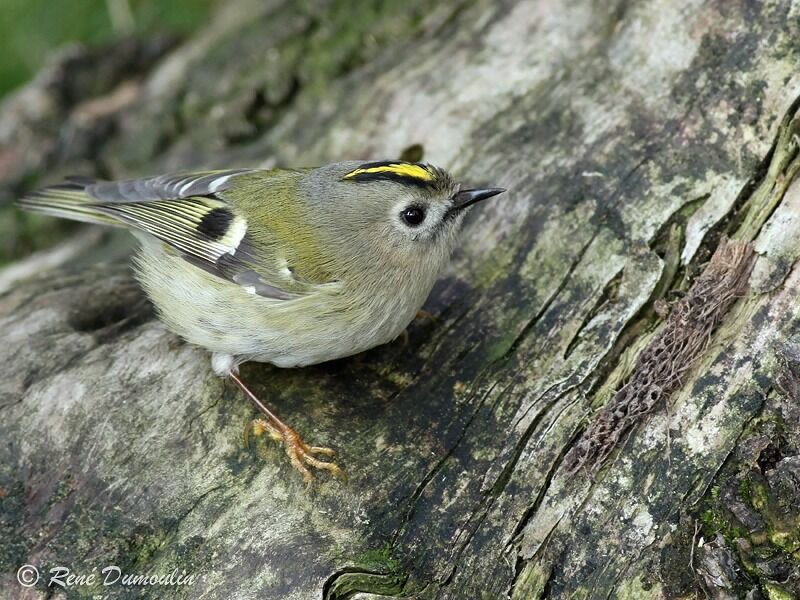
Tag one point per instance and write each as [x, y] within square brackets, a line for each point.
[300, 454]
[422, 315]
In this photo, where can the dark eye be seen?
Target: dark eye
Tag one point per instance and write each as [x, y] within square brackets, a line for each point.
[413, 215]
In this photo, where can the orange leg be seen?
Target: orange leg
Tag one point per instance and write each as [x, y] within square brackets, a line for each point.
[300, 453]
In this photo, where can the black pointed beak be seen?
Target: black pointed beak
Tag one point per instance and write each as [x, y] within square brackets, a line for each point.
[466, 198]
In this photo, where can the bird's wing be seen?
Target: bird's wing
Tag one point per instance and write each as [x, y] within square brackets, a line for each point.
[172, 186]
[185, 211]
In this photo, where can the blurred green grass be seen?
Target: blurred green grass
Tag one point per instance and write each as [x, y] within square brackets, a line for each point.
[31, 29]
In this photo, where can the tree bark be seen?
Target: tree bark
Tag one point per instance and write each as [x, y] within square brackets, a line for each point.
[585, 416]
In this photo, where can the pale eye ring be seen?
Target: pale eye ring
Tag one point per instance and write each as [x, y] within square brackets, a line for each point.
[413, 215]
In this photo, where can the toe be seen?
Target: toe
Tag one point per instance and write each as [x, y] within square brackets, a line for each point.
[302, 456]
[297, 463]
[333, 468]
[322, 450]
[259, 427]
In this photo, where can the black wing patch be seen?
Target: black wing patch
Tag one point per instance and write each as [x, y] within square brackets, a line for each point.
[215, 223]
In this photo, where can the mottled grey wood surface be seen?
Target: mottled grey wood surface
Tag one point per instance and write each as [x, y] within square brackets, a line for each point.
[632, 136]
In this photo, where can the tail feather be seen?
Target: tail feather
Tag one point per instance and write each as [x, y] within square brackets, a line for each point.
[68, 200]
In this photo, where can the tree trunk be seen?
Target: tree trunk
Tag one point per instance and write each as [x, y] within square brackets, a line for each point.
[598, 408]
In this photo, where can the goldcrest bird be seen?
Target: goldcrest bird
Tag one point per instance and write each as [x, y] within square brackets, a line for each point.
[286, 266]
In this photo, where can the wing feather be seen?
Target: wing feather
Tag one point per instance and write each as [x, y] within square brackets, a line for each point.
[178, 223]
[172, 186]
[187, 211]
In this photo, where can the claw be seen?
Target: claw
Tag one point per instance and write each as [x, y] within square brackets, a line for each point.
[300, 454]
[259, 427]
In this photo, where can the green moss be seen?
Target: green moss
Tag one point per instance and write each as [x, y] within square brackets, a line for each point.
[716, 521]
[634, 589]
[759, 496]
[379, 560]
[348, 584]
[715, 493]
[745, 490]
[144, 546]
[775, 592]
[531, 582]
[785, 540]
[742, 494]
[375, 571]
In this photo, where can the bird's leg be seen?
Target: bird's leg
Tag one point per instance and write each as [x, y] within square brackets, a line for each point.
[300, 453]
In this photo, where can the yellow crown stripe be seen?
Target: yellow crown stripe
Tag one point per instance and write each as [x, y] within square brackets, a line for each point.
[411, 171]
